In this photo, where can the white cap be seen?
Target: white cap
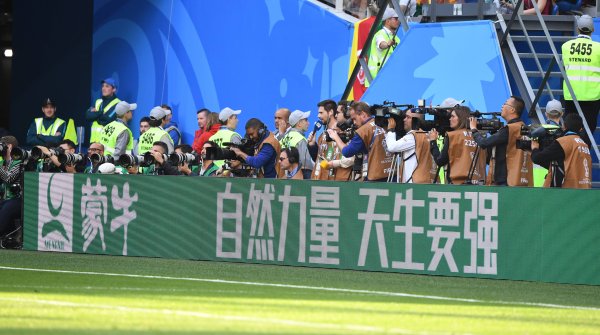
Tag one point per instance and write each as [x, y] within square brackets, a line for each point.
[585, 23]
[107, 168]
[389, 12]
[298, 115]
[123, 107]
[554, 107]
[450, 103]
[157, 113]
[227, 112]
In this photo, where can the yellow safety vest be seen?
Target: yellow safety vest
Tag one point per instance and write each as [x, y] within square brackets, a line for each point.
[96, 130]
[291, 139]
[110, 134]
[50, 131]
[581, 57]
[376, 55]
[148, 138]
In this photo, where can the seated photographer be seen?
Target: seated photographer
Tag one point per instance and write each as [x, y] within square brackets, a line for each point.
[327, 149]
[415, 162]
[158, 163]
[94, 149]
[266, 150]
[568, 158]
[11, 182]
[186, 168]
[508, 164]
[208, 167]
[368, 140]
[458, 151]
[288, 162]
[53, 162]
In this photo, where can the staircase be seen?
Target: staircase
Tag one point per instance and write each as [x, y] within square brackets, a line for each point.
[533, 71]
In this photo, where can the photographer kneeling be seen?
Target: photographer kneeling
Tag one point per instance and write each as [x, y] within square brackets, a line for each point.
[266, 150]
[459, 150]
[415, 162]
[158, 162]
[568, 158]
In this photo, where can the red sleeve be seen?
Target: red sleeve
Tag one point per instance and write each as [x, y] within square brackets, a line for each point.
[197, 146]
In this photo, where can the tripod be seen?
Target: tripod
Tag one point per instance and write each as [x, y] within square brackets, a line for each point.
[473, 166]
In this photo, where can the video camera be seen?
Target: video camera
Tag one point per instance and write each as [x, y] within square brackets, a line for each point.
[243, 170]
[492, 125]
[127, 160]
[66, 158]
[246, 146]
[98, 159]
[544, 135]
[390, 109]
[184, 158]
[345, 131]
[441, 117]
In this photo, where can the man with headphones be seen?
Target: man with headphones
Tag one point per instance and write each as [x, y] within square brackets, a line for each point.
[266, 150]
[288, 162]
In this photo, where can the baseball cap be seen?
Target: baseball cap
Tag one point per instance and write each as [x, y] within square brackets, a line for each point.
[450, 103]
[298, 115]
[389, 13]
[47, 102]
[585, 23]
[227, 112]
[157, 113]
[123, 107]
[110, 81]
[107, 168]
[554, 107]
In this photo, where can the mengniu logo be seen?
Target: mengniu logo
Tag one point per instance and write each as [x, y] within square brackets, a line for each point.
[55, 212]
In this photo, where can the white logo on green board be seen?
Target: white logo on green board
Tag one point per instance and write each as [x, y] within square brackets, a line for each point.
[55, 212]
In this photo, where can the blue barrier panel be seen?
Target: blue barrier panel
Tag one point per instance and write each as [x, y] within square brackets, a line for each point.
[440, 60]
[252, 55]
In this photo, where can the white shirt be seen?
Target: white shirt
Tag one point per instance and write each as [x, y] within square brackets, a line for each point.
[405, 146]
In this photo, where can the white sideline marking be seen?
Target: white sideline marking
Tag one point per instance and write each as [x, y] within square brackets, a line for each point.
[284, 322]
[315, 288]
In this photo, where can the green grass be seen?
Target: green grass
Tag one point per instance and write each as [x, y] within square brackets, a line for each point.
[34, 302]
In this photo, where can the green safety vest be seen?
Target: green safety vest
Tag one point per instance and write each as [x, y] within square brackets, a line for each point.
[376, 55]
[291, 139]
[581, 57]
[96, 130]
[50, 131]
[220, 137]
[147, 139]
[109, 136]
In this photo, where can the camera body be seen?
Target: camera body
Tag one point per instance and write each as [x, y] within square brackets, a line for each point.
[178, 159]
[127, 160]
[98, 159]
[246, 146]
[149, 159]
[543, 134]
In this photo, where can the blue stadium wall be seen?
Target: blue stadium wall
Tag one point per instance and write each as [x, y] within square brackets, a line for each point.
[255, 56]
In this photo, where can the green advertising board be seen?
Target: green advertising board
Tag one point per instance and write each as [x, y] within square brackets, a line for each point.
[533, 234]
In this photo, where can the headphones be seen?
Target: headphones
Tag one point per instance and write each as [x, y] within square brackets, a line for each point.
[262, 130]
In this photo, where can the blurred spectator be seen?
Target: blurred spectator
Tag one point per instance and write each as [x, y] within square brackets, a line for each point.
[171, 126]
[202, 117]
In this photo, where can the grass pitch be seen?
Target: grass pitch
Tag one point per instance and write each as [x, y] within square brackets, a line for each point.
[50, 293]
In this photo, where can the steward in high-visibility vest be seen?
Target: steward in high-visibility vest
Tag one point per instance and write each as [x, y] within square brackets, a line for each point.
[226, 134]
[48, 129]
[156, 133]
[384, 42]
[102, 113]
[116, 136]
[294, 138]
[581, 58]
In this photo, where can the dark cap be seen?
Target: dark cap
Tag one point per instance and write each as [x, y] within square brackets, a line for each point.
[110, 81]
[47, 102]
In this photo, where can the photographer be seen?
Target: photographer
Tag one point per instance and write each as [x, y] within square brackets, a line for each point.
[568, 158]
[208, 168]
[288, 162]
[95, 148]
[416, 165]
[159, 164]
[327, 149]
[508, 164]
[368, 140]
[11, 178]
[459, 151]
[266, 151]
[188, 169]
[53, 163]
